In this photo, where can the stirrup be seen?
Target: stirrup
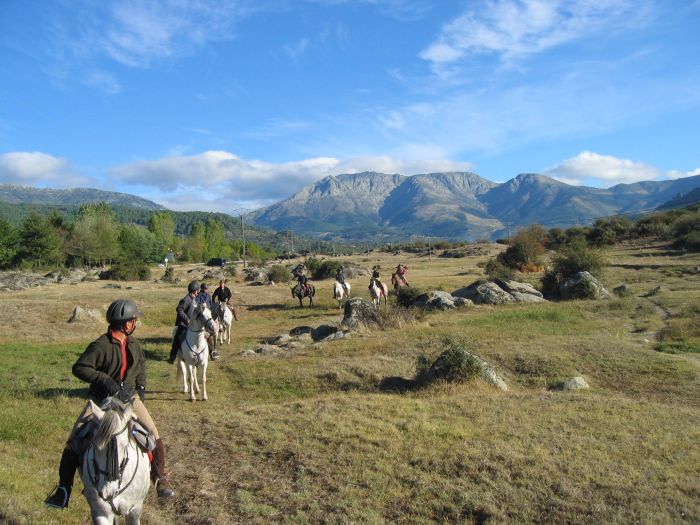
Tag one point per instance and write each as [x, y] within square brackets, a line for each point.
[165, 492]
[57, 500]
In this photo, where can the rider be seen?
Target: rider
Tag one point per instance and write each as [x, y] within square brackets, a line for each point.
[401, 270]
[113, 364]
[184, 311]
[204, 298]
[375, 276]
[223, 295]
[298, 272]
[340, 278]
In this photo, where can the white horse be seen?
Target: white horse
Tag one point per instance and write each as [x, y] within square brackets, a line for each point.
[194, 350]
[225, 318]
[115, 471]
[377, 292]
[341, 292]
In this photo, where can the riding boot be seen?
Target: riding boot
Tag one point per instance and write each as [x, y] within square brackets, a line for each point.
[66, 473]
[160, 482]
[174, 349]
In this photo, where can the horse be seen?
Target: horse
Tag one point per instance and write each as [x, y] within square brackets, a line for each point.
[300, 292]
[115, 470]
[340, 291]
[222, 313]
[377, 290]
[398, 281]
[194, 350]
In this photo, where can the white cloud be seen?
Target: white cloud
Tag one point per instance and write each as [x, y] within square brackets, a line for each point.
[588, 168]
[511, 28]
[224, 181]
[295, 50]
[37, 169]
[103, 81]
[677, 174]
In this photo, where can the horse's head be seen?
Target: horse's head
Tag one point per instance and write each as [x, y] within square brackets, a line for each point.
[112, 420]
[204, 316]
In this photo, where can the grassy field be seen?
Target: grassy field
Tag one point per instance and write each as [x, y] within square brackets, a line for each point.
[309, 437]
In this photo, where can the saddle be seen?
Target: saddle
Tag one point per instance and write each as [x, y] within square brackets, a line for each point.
[80, 441]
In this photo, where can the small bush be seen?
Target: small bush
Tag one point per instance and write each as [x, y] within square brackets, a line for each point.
[495, 269]
[455, 363]
[397, 317]
[326, 269]
[572, 258]
[407, 295]
[279, 274]
[686, 232]
[526, 249]
[168, 275]
[312, 264]
[128, 271]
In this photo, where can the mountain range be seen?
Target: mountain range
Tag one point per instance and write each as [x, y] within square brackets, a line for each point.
[454, 205]
[379, 207]
[18, 194]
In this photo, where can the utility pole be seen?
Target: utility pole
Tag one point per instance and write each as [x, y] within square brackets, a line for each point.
[241, 212]
[430, 251]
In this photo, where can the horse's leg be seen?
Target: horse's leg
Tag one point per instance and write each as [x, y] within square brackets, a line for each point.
[193, 381]
[228, 333]
[204, 380]
[134, 516]
[185, 387]
[101, 517]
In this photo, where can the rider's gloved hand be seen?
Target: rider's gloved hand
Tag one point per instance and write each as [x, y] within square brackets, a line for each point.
[112, 386]
[141, 391]
[125, 394]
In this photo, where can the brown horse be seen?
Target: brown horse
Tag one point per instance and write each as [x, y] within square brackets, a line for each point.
[301, 292]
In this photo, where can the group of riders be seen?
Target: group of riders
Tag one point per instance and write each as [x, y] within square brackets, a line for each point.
[114, 365]
[398, 278]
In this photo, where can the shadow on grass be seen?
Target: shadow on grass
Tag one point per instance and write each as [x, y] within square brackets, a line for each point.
[152, 355]
[53, 393]
[264, 307]
[398, 384]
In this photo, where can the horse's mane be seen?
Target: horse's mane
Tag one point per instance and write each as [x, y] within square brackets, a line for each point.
[111, 423]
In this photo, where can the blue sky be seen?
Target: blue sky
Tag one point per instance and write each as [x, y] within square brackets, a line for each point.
[221, 105]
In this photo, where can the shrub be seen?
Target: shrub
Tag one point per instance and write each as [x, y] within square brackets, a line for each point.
[128, 271]
[495, 269]
[312, 264]
[407, 295]
[279, 274]
[455, 363]
[526, 249]
[326, 269]
[572, 258]
[686, 232]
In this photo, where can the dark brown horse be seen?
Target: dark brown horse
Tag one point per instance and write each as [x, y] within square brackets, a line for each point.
[301, 292]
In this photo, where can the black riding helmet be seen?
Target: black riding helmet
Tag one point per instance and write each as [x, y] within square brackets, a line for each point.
[193, 286]
[121, 311]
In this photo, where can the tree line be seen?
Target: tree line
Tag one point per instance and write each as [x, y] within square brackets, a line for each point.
[93, 236]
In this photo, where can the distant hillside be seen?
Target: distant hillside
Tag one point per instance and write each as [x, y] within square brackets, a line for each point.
[457, 205]
[17, 213]
[14, 194]
[681, 201]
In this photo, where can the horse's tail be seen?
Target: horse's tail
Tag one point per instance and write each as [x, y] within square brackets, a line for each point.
[109, 425]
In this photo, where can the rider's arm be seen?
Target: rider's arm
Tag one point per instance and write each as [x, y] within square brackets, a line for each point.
[86, 369]
[141, 377]
[182, 317]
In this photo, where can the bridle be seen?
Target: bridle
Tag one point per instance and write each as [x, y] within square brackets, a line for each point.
[209, 327]
[97, 471]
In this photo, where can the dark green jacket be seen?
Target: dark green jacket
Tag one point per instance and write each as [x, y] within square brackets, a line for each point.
[101, 361]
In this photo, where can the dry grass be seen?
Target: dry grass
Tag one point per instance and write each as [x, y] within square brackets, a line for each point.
[310, 438]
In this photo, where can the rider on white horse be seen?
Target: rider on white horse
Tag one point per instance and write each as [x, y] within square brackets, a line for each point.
[340, 278]
[113, 364]
[184, 313]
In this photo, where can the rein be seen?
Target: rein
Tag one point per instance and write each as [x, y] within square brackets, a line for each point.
[111, 476]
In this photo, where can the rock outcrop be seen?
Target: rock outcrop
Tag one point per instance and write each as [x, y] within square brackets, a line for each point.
[359, 312]
[583, 286]
[500, 292]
